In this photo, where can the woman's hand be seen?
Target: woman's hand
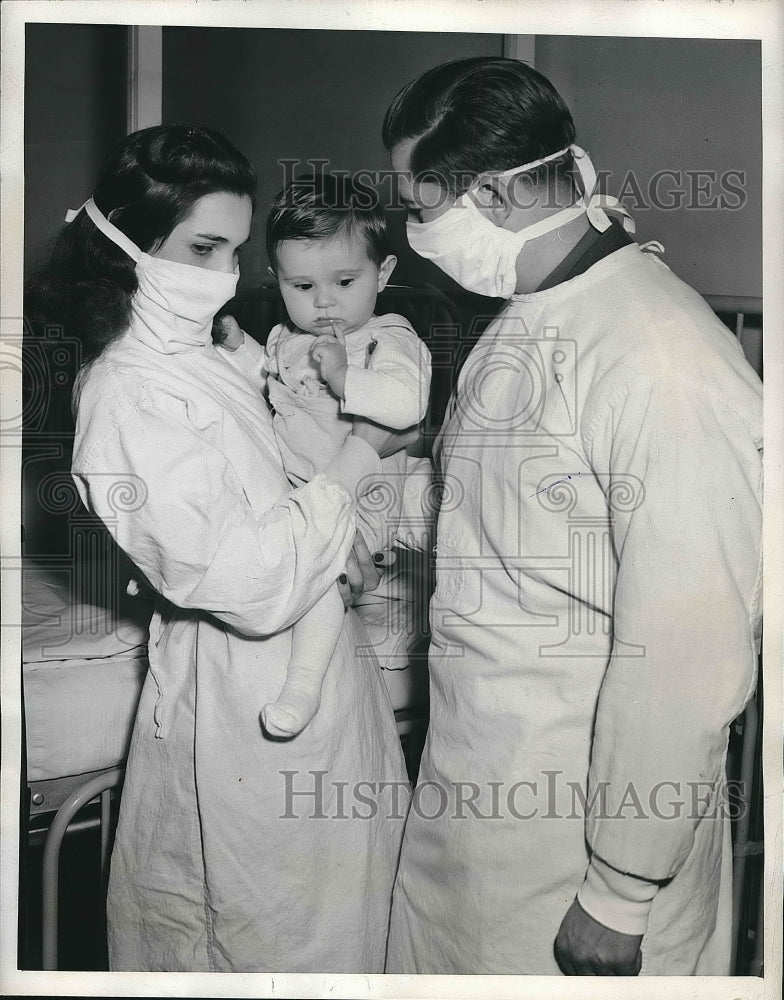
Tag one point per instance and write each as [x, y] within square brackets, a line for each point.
[361, 573]
[383, 440]
[363, 570]
[227, 333]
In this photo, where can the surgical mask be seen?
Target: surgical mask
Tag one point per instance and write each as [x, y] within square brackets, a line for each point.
[482, 257]
[174, 304]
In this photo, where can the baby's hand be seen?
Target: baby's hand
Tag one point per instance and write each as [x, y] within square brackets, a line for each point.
[330, 354]
[227, 333]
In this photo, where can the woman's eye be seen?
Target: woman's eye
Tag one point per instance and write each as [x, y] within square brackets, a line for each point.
[201, 249]
[345, 282]
[414, 214]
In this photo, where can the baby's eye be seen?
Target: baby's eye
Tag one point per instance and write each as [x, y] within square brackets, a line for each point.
[202, 249]
[345, 282]
[303, 286]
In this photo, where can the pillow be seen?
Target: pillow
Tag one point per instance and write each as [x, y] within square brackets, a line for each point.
[55, 629]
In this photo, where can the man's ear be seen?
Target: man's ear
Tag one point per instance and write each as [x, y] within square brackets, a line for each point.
[492, 199]
[385, 271]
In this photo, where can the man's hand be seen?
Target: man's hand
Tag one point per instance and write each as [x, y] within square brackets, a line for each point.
[330, 353]
[584, 947]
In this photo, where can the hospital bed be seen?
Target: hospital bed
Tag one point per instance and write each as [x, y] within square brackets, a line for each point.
[84, 649]
[84, 664]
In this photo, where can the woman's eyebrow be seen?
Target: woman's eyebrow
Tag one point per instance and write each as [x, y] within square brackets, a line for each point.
[217, 239]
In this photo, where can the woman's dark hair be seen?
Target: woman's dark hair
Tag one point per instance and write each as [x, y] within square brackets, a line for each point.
[474, 115]
[320, 206]
[146, 187]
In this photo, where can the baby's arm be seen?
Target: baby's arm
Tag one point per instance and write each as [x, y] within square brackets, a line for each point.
[394, 389]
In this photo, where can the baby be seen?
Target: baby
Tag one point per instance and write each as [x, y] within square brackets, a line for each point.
[332, 361]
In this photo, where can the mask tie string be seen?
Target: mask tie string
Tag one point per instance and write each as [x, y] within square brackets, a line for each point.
[109, 230]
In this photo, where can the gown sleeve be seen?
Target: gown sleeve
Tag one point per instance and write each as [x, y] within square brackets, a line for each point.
[175, 504]
[684, 490]
[394, 389]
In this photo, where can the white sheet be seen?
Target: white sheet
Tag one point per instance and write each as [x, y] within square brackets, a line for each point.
[83, 670]
[79, 713]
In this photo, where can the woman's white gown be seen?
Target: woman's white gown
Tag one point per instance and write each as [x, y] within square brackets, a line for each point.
[219, 862]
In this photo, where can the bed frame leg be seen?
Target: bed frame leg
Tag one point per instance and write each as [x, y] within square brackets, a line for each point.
[101, 784]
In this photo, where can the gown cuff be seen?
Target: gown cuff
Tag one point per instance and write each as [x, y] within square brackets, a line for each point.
[620, 902]
[353, 463]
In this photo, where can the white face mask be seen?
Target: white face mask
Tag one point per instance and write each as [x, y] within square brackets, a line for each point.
[481, 256]
[174, 304]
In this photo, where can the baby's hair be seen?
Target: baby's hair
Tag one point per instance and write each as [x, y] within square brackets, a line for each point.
[479, 114]
[322, 206]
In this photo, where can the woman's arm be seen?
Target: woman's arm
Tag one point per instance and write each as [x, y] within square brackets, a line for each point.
[193, 532]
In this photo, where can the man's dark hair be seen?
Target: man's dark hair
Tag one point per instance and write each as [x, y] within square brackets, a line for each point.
[475, 115]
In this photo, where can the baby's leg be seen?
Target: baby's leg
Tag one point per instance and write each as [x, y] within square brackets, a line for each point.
[313, 641]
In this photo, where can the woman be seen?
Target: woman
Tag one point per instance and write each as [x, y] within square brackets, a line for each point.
[597, 584]
[234, 852]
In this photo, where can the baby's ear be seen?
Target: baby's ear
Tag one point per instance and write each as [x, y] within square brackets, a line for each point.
[385, 271]
[272, 273]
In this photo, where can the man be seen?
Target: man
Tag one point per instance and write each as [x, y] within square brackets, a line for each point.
[596, 611]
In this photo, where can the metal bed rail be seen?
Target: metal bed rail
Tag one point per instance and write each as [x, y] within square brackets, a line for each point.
[100, 786]
[745, 313]
[746, 846]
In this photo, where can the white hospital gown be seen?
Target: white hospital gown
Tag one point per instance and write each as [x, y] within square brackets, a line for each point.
[218, 864]
[594, 626]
